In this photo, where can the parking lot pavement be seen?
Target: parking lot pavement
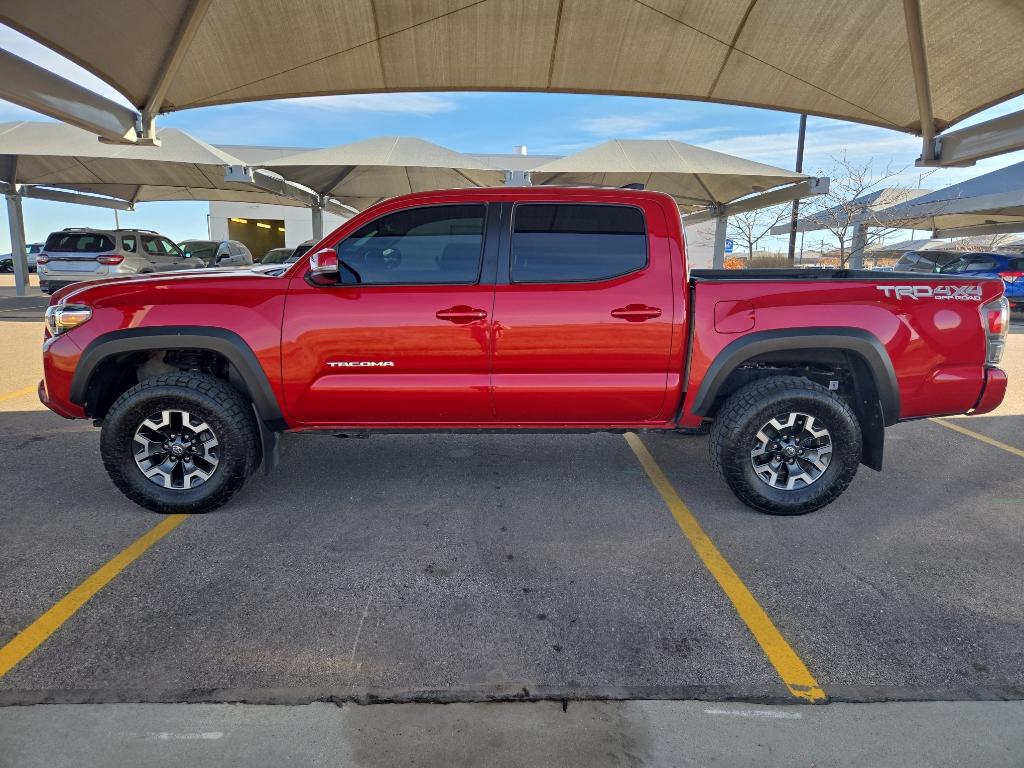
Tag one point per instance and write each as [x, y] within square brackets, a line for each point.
[506, 566]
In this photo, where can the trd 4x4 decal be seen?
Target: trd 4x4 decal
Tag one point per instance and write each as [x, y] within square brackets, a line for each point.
[942, 292]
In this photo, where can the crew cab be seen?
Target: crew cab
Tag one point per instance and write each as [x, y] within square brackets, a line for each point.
[517, 309]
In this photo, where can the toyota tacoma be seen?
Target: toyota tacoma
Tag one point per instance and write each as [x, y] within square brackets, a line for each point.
[524, 310]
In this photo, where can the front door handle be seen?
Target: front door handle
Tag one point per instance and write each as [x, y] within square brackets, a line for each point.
[460, 314]
[636, 313]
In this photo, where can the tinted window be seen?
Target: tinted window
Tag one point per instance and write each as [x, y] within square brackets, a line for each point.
[199, 249]
[971, 264]
[569, 243]
[159, 246]
[907, 260]
[128, 243]
[1015, 265]
[86, 242]
[434, 245]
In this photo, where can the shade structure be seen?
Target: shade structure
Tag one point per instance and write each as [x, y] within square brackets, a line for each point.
[991, 203]
[866, 211]
[694, 176]
[182, 168]
[363, 172]
[857, 61]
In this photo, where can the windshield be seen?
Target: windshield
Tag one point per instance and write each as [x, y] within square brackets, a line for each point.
[200, 249]
[276, 256]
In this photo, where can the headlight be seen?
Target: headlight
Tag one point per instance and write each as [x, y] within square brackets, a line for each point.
[61, 318]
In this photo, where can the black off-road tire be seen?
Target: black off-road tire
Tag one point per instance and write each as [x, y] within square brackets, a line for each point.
[733, 436]
[226, 410]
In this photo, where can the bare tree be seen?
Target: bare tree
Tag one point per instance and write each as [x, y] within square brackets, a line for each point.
[855, 193]
[751, 227]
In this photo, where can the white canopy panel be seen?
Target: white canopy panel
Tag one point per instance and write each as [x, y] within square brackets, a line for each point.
[694, 176]
[882, 62]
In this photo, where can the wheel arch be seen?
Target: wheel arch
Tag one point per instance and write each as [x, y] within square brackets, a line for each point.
[221, 341]
[863, 344]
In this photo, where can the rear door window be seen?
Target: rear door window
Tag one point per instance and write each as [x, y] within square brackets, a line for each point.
[81, 242]
[564, 243]
[128, 243]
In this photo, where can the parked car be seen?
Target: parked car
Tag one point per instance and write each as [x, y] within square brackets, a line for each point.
[80, 255]
[277, 256]
[218, 253]
[925, 261]
[32, 252]
[998, 266]
[576, 311]
[301, 250]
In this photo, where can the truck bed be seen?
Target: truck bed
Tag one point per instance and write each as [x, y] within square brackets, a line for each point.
[815, 273]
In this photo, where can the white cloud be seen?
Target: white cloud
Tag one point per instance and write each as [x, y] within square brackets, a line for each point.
[420, 104]
[615, 126]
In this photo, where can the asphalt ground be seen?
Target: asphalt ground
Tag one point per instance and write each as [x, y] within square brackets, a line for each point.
[474, 568]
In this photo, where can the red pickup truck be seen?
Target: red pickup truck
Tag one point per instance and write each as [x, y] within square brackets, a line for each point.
[517, 309]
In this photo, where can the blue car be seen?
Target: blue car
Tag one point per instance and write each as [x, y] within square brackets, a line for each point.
[1009, 269]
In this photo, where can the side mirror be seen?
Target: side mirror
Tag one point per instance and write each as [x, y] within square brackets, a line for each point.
[323, 267]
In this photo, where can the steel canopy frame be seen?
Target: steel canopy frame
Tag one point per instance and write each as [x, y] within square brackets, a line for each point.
[38, 89]
[809, 188]
[243, 174]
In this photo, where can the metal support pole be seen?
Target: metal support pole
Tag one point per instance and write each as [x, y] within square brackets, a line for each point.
[721, 229]
[318, 221]
[796, 203]
[18, 250]
[860, 241]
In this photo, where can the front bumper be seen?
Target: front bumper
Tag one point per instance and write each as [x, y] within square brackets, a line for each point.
[992, 392]
[60, 356]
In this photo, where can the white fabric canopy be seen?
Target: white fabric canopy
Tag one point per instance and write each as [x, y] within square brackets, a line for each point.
[363, 172]
[995, 199]
[850, 60]
[694, 176]
[181, 168]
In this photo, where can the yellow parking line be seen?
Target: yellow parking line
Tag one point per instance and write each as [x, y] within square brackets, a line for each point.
[787, 663]
[978, 436]
[39, 630]
[19, 393]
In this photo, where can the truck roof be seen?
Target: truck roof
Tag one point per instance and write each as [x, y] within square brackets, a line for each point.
[509, 194]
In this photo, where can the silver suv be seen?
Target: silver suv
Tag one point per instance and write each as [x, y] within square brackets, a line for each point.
[76, 255]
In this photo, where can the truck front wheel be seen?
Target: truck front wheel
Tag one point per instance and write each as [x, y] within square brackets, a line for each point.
[785, 445]
[181, 442]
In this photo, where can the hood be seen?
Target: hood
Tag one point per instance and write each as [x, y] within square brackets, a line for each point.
[79, 291]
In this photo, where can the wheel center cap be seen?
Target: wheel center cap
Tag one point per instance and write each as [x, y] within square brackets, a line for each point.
[789, 450]
[177, 450]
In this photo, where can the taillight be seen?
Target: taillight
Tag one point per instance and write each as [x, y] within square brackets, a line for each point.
[1010, 277]
[110, 260]
[995, 319]
[42, 258]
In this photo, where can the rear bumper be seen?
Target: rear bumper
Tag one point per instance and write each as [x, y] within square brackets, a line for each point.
[992, 392]
[52, 286]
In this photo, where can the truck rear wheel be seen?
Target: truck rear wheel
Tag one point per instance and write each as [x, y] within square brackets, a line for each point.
[181, 442]
[785, 445]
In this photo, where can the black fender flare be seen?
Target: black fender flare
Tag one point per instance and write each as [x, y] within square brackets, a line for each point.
[863, 343]
[227, 343]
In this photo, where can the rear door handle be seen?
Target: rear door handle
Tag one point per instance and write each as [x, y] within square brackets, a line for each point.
[636, 313]
[460, 314]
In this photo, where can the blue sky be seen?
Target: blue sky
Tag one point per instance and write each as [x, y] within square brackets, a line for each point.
[484, 122]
